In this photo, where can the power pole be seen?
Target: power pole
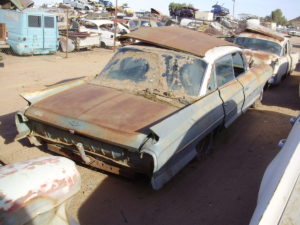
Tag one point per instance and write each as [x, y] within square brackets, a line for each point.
[115, 25]
[233, 8]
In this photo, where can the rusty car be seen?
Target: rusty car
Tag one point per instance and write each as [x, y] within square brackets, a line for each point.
[152, 106]
[263, 45]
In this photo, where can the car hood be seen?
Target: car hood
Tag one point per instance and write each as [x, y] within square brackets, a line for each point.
[101, 113]
[259, 57]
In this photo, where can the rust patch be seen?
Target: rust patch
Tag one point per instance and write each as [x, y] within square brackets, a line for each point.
[101, 113]
[263, 56]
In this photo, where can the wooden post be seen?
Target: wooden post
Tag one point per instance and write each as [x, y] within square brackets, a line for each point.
[67, 33]
[115, 24]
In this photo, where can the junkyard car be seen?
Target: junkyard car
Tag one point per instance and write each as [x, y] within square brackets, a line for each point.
[264, 45]
[149, 107]
[38, 191]
[105, 28]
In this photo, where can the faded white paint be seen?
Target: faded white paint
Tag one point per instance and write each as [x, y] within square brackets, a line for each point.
[279, 183]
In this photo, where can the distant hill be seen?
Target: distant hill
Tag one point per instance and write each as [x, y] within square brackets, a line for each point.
[296, 21]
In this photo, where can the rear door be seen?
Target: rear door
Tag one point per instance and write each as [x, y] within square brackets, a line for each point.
[248, 80]
[230, 89]
[50, 32]
[35, 32]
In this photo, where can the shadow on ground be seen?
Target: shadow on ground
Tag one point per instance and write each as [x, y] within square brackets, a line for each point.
[222, 189]
[8, 129]
[287, 99]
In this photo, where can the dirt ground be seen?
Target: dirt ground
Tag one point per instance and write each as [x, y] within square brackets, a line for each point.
[220, 190]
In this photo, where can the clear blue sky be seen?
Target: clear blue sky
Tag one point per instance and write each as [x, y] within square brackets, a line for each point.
[290, 8]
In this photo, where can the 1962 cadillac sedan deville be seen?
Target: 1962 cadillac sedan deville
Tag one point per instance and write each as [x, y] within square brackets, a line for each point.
[149, 107]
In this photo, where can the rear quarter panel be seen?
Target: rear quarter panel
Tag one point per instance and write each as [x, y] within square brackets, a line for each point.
[186, 126]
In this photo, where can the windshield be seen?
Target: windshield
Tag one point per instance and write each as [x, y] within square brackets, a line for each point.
[259, 44]
[160, 71]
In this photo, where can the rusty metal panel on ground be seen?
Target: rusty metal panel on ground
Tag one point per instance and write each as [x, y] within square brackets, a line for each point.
[178, 38]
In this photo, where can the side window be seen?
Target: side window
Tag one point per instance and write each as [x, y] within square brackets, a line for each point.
[211, 86]
[238, 64]
[49, 22]
[34, 21]
[224, 70]
[289, 47]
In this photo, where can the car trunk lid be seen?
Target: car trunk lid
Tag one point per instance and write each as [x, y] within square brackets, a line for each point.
[101, 113]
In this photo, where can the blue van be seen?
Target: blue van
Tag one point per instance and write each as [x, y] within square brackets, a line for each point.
[31, 32]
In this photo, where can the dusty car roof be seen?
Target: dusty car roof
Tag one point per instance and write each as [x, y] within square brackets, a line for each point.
[178, 38]
[265, 31]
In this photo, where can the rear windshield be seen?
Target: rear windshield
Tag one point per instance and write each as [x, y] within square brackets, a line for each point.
[156, 69]
[259, 44]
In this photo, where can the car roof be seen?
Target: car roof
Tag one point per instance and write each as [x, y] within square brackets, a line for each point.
[178, 38]
[265, 31]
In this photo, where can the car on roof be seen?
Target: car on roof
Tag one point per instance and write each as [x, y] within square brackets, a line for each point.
[152, 109]
[263, 45]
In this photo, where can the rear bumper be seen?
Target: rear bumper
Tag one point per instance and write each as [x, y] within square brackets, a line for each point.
[94, 153]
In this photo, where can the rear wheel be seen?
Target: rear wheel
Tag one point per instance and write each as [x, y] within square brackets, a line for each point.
[103, 45]
[205, 146]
